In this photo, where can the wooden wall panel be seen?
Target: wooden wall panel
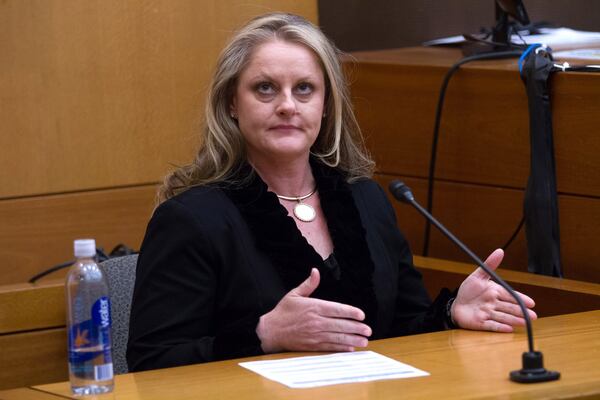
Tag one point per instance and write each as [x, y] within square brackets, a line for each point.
[483, 154]
[98, 100]
[33, 340]
[484, 135]
[33, 358]
[553, 296]
[26, 307]
[37, 233]
[485, 217]
[98, 94]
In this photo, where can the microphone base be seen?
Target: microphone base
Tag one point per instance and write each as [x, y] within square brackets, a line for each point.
[533, 370]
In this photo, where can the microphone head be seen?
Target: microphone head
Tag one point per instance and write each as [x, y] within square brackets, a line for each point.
[401, 192]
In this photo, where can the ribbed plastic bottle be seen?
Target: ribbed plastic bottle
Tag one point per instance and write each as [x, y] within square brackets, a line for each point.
[88, 323]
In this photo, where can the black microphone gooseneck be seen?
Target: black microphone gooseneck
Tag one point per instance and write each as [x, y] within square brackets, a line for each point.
[533, 361]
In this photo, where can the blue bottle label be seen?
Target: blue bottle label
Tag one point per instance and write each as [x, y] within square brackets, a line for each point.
[90, 339]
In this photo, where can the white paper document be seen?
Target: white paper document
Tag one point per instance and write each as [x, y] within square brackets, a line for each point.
[556, 38]
[578, 54]
[313, 371]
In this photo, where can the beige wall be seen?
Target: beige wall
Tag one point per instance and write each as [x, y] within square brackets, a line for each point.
[101, 96]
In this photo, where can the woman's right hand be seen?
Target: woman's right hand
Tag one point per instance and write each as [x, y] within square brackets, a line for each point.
[301, 323]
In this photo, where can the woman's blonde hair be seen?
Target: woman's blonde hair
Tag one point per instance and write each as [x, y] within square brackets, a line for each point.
[222, 152]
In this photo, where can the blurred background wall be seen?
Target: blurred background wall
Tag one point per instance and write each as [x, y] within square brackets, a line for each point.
[382, 24]
[99, 99]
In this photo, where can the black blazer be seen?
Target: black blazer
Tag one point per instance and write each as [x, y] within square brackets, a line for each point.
[214, 259]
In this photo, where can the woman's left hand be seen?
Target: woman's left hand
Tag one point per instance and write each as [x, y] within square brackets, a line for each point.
[482, 304]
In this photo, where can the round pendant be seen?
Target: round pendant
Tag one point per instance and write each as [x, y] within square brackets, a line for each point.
[304, 212]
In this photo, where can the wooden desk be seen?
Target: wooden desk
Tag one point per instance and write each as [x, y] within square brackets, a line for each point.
[27, 394]
[461, 363]
[32, 317]
[483, 151]
[32, 334]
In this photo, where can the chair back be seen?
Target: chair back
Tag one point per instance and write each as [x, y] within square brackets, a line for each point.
[120, 275]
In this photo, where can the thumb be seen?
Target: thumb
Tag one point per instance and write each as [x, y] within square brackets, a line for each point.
[306, 288]
[492, 262]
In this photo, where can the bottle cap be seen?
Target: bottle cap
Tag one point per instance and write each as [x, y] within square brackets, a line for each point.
[84, 247]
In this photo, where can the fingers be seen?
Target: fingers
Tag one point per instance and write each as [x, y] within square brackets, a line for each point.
[322, 327]
[331, 347]
[494, 259]
[307, 287]
[323, 307]
[338, 310]
[505, 296]
[514, 310]
[344, 326]
[497, 292]
[505, 303]
[503, 318]
[495, 326]
[328, 334]
[343, 339]
[508, 318]
[492, 262]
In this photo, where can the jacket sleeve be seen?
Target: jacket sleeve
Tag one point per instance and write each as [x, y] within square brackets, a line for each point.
[414, 311]
[173, 314]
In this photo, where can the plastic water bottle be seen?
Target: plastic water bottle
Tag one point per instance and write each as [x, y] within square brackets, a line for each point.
[88, 324]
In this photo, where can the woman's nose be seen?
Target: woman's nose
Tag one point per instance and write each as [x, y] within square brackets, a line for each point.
[286, 104]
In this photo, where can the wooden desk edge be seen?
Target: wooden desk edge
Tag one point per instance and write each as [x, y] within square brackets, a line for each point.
[25, 286]
[26, 307]
[27, 394]
[586, 323]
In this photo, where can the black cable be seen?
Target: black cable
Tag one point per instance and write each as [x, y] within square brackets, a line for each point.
[119, 251]
[58, 267]
[483, 56]
[436, 129]
[515, 233]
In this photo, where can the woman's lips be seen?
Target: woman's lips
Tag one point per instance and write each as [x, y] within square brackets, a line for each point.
[285, 127]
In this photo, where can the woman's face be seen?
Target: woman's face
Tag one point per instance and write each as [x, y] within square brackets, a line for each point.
[279, 101]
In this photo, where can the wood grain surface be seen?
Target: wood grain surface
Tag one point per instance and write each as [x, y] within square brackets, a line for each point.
[38, 232]
[97, 94]
[462, 364]
[483, 155]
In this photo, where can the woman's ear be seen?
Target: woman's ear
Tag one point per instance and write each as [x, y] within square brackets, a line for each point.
[233, 109]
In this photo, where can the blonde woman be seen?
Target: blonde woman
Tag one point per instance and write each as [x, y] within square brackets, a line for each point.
[275, 238]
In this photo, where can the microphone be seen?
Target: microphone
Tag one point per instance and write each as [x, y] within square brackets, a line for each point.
[533, 361]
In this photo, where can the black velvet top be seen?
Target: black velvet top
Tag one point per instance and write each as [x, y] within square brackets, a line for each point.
[215, 259]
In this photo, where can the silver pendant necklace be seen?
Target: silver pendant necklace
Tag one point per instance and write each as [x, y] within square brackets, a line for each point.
[304, 212]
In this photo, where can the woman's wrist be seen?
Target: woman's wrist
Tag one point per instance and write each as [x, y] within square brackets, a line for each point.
[262, 332]
[450, 322]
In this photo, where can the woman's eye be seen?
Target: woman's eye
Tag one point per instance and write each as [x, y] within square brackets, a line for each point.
[304, 88]
[265, 88]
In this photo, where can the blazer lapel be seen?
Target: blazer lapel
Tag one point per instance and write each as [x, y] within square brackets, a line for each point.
[276, 235]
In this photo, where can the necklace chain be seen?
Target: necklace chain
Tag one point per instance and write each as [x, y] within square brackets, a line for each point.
[298, 198]
[302, 211]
